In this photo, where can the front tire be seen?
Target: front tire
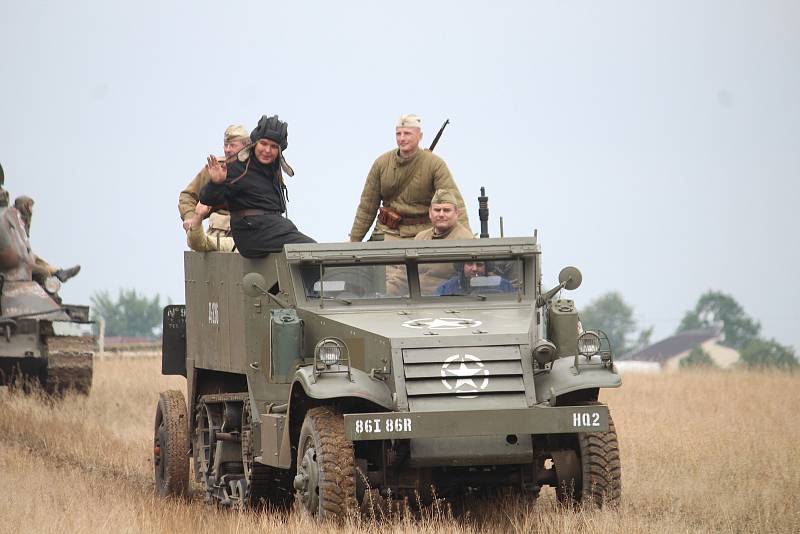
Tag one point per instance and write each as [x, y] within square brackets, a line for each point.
[171, 445]
[325, 481]
[600, 476]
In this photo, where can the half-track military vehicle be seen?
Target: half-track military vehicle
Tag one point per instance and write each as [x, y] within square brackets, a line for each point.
[328, 373]
[41, 340]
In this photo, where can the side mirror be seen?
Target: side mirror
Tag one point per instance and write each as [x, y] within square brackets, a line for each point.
[570, 277]
[253, 285]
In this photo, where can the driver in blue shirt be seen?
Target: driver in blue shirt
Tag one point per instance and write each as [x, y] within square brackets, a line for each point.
[460, 283]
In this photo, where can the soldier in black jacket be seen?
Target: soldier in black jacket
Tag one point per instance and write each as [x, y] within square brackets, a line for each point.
[252, 186]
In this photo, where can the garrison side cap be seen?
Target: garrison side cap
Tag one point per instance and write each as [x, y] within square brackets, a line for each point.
[376, 251]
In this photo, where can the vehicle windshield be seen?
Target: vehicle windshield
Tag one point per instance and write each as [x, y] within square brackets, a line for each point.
[352, 282]
[346, 283]
[480, 277]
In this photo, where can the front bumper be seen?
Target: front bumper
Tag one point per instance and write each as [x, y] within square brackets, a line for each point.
[445, 424]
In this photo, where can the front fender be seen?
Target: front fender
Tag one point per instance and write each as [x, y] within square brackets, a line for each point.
[322, 387]
[564, 378]
[360, 385]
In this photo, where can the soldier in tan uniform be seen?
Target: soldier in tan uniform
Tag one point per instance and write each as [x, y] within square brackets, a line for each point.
[404, 181]
[218, 235]
[41, 269]
[443, 214]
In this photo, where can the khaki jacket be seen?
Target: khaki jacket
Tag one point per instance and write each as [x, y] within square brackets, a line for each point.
[189, 197]
[388, 172]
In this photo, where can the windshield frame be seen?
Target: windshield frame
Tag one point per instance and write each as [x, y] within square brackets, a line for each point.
[526, 293]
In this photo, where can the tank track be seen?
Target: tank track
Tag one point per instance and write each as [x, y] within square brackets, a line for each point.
[267, 485]
[259, 485]
[69, 364]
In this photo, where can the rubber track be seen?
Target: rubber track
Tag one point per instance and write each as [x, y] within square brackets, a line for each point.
[268, 484]
[601, 466]
[174, 451]
[69, 364]
[337, 483]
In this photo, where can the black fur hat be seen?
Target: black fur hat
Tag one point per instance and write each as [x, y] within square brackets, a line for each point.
[271, 128]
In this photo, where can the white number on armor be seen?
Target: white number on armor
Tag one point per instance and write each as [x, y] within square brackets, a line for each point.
[213, 313]
[373, 426]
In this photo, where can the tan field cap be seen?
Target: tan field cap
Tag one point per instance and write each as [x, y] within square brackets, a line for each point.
[236, 132]
[409, 121]
[444, 196]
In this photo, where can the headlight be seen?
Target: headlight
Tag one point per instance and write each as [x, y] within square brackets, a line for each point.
[544, 351]
[52, 285]
[588, 344]
[329, 351]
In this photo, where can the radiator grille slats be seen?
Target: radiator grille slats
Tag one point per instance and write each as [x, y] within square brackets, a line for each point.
[464, 378]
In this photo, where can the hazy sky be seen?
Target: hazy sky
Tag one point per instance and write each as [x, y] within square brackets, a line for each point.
[655, 145]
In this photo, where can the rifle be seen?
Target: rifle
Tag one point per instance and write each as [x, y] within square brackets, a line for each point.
[438, 135]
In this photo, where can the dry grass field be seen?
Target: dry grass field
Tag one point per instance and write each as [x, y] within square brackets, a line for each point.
[701, 452]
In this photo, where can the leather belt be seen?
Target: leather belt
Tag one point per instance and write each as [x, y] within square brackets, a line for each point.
[239, 214]
[225, 232]
[413, 221]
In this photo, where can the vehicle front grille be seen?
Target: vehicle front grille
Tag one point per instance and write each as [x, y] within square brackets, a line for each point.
[464, 378]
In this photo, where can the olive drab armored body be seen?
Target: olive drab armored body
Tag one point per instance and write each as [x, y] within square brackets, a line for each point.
[309, 379]
[40, 340]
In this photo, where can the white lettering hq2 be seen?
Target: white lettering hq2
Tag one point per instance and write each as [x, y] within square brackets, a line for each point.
[585, 419]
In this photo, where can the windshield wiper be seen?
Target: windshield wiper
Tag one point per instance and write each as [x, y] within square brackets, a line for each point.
[337, 299]
[473, 295]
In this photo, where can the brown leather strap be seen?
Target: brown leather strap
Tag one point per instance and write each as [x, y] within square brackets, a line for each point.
[413, 221]
[236, 215]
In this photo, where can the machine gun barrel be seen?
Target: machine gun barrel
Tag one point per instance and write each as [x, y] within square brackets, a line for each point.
[483, 213]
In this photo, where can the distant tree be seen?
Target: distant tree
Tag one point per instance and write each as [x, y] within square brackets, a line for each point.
[697, 358]
[715, 307]
[643, 339]
[761, 353]
[611, 314]
[130, 315]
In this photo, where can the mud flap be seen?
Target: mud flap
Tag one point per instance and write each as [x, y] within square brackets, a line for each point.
[173, 345]
[567, 468]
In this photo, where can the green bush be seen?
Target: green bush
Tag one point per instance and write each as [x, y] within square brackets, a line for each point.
[762, 353]
[130, 314]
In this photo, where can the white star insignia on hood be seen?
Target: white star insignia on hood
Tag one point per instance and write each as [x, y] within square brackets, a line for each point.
[446, 323]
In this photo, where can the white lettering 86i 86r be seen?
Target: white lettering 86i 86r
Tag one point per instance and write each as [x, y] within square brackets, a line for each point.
[373, 426]
[585, 419]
